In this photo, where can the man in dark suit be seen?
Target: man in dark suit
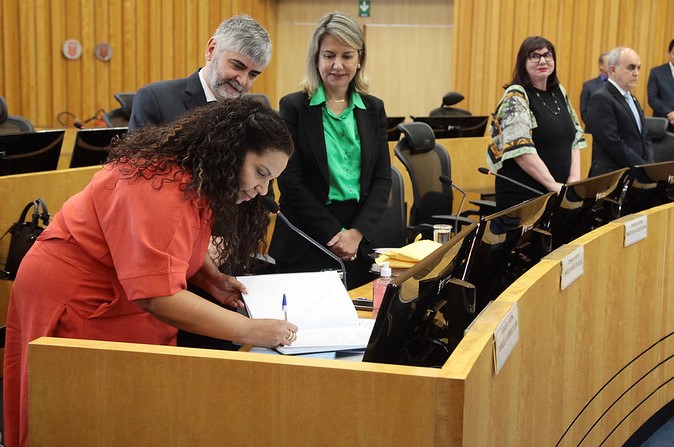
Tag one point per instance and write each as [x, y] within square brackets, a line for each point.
[591, 86]
[235, 56]
[615, 118]
[661, 89]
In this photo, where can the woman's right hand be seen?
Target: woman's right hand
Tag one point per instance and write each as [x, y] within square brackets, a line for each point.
[270, 333]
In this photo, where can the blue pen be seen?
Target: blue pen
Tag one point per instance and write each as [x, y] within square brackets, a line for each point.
[284, 307]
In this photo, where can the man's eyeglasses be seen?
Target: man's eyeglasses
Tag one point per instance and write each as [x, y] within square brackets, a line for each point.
[535, 57]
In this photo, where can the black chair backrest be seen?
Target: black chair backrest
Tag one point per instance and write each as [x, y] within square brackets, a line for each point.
[393, 133]
[661, 139]
[656, 126]
[447, 108]
[425, 162]
[11, 123]
[125, 100]
[30, 151]
[648, 185]
[91, 145]
[455, 126]
[116, 118]
[391, 231]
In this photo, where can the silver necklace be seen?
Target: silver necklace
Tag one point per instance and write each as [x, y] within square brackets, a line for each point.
[554, 112]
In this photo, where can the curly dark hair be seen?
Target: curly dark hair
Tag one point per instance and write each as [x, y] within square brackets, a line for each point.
[210, 144]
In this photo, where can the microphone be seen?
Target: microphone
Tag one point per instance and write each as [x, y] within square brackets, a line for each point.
[447, 181]
[513, 181]
[273, 208]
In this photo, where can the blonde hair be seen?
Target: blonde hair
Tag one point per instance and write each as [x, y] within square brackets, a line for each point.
[344, 28]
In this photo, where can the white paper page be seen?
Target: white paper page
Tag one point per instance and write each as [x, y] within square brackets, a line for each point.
[331, 339]
[314, 299]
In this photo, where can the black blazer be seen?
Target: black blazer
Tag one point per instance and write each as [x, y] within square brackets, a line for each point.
[165, 101]
[617, 142]
[589, 87]
[305, 183]
[661, 90]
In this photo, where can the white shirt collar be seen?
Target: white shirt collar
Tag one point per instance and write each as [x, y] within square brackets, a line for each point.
[671, 67]
[210, 97]
[622, 92]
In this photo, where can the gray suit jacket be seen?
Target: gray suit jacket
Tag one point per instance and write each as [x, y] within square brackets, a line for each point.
[166, 101]
[661, 90]
[617, 142]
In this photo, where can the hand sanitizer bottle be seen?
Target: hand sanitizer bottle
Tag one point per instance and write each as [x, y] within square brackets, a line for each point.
[379, 287]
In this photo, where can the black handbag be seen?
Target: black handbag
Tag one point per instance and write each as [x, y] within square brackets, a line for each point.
[23, 235]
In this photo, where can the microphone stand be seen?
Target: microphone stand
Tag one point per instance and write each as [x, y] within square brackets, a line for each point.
[447, 181]
[513, 181]
[273, 208]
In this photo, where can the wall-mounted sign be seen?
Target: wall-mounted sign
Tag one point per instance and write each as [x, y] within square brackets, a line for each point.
[364, 8]
[72, 49]
[103, 51]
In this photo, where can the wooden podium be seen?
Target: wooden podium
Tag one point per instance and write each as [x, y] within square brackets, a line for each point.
[592, 364]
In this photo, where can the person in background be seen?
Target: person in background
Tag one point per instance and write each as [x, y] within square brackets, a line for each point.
[541, 136]
[235, 56]
[114, 262]
[615, 118]
[591, 86]
[661, 89]
[337, 183]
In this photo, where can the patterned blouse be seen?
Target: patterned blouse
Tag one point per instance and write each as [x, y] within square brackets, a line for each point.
[511, 127]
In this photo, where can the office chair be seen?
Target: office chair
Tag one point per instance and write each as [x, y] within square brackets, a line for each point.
[30, 151]
[12, 123]
[391, 232]
[120, 116]
[91, 145]
[446, 108]
[392, 131]
[425, 162]
[663, 141]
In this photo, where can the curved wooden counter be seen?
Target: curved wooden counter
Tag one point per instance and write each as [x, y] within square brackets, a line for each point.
[591, 366]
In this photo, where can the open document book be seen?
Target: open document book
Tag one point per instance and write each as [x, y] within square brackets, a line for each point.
[316, 302]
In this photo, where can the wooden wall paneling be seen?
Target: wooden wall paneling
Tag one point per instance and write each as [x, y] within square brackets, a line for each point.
[73, 68]
[180, 36]
[580, 31]
[140, 44]
[167, 35]
[44, 73]
[28, 46]
[57, 92]
[154, 51]
[413, 82]
[3, 42]
[267, 80]
[193, 46]
[87, 88]
[291, 49]
[124, 55]
[202, 32]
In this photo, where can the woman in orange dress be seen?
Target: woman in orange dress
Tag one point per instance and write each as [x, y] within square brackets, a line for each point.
[114, 262]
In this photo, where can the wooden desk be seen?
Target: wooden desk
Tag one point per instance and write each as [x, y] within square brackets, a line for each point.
[593, 363]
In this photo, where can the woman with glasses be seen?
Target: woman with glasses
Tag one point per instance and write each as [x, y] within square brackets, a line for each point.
[536, 136]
